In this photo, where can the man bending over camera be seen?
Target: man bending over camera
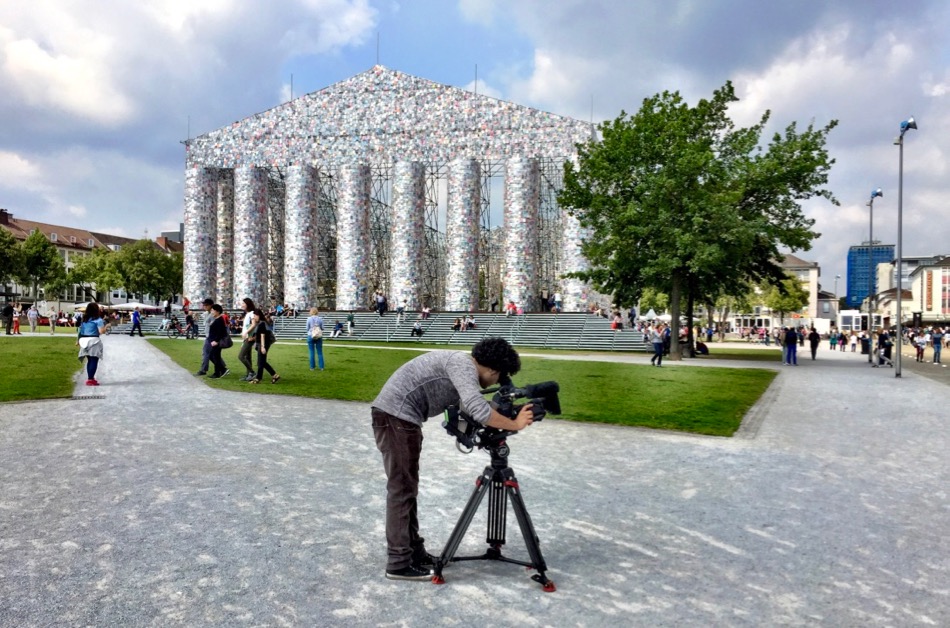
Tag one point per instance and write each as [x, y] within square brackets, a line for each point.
[421, 388]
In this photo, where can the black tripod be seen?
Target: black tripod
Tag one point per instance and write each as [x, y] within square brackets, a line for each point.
[498, 480]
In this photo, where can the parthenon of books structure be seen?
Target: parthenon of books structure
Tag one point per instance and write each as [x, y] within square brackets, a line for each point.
[334, 195]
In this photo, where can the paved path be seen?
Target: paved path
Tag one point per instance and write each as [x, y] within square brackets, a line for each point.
[169, 503]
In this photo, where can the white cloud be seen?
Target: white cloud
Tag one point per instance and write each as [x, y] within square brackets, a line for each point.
[112, 63]
[67, 78]
[17, 170]
[350, 22]
[561, 83]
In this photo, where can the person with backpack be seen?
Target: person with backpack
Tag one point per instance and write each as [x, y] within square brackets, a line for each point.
[314, 337]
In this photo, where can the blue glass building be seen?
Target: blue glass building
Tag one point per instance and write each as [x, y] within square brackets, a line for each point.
[859, 269]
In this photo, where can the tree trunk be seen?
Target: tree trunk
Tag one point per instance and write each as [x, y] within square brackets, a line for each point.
[690, 339]
[723, 316]
[675, 321]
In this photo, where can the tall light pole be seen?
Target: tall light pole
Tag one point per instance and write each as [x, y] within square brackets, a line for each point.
[874, 194]
[906, 125]
[837, 277]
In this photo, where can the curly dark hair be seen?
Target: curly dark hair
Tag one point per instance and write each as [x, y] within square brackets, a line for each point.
[497, 354]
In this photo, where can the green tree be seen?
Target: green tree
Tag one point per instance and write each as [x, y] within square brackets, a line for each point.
[786, 296]
[652, 299]
[680, 200]
[141, 267]
[97, 269]
[41, 264]
[726, 305]
[10, 257]
[173, 276]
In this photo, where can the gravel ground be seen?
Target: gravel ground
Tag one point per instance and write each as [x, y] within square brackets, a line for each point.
[165, 502]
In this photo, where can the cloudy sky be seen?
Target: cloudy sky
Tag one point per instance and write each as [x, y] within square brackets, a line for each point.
[98, 94]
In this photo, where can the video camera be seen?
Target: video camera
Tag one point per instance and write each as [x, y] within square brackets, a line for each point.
[470, 434]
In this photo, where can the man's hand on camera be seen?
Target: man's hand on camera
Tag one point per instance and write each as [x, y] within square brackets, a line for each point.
[501, 422]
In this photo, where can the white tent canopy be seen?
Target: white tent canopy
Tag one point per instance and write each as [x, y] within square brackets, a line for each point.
[649, 316]
[122, 307]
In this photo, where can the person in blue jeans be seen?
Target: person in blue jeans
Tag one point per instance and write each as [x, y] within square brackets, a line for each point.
[315, 338]
[937, 338]
[89, 342]
[656, 337]
[791, 347]
[136, 322]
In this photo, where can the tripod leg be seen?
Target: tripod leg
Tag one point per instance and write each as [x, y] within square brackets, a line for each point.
[527, 531]
[461, 527]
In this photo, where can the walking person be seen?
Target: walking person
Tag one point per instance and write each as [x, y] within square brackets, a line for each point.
[247, 345]
[33, 315]
[89, 341]
[854, 342]
[136, 323]
[791, 346]
[350, 323]
[208, 306]
[52, 316]
[17, 312]
[937, 339]
[814, 339]
[8, 318]
[263, 340]
[217, 331]
[656, 337]
[315, 337]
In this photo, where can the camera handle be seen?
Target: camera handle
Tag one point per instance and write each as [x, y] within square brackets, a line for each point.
[498, 481]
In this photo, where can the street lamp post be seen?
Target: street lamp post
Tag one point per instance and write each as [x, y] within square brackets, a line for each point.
[874, 194]
[906, 125]
[837, 277]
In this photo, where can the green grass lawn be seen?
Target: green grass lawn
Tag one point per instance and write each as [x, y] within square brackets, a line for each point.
[772, 354]
[37, 368]
[702, 400]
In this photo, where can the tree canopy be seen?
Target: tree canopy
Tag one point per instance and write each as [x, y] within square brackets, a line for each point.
[10, 257]
[678, 199]
[787, 296]
[145, 269]
[40, 263]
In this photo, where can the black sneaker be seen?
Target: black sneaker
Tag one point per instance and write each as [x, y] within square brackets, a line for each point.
[409, 573]
[200, 373]
[424, 560]
[226, 371]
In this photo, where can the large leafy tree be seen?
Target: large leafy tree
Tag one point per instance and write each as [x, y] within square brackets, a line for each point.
[40, 264]
[145, 269]
[786, 296]
[173, 275]
[10, 257]
[680, 200]
[97, 269]
[653, 299]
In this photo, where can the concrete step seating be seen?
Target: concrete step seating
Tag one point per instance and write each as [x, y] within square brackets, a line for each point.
[554, 331]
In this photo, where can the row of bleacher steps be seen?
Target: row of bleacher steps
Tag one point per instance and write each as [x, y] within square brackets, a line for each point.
[555, 331]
